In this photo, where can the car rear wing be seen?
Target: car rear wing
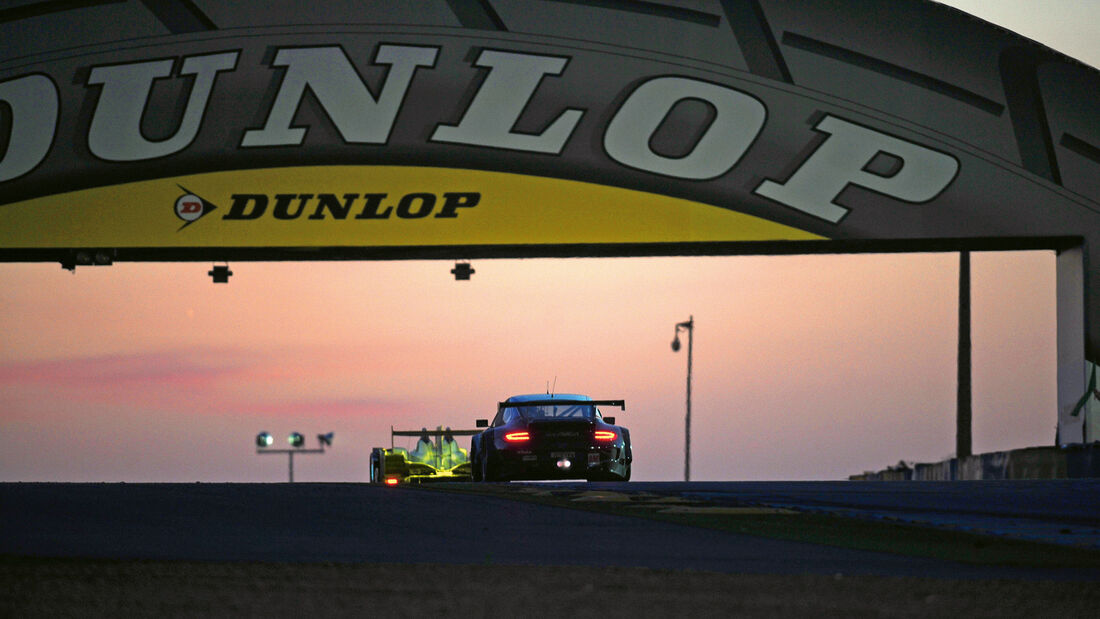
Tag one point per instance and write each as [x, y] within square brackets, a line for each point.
[437, 433]
[433, 432]
[553, 401]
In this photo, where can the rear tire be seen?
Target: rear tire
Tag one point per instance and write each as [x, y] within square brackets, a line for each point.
[489, 470]
[475, 467]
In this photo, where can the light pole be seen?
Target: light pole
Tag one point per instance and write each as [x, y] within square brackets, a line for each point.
[297, 442]
[688, 326]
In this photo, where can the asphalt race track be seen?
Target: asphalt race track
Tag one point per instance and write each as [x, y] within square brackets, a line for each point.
[360, 523]
[1063, 511]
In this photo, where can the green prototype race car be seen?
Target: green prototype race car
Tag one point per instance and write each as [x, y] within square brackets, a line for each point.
[436, 457]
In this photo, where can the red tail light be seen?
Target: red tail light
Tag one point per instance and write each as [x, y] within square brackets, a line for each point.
[606, 435]
[517, 437]
[391, 481]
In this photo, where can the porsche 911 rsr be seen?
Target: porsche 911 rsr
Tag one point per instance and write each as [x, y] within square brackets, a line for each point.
[545, 436]
[431, 461]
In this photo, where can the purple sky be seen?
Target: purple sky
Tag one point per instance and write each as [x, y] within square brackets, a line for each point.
[805, 367]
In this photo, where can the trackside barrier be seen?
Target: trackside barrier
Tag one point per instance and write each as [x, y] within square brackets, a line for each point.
[902, 472]
[1037, 463]
[969, 467]
[1074, 462]
[939, 471]
[1083, 461]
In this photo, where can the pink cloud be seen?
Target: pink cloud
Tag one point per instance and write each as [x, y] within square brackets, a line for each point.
[172, 367]
[209, 382]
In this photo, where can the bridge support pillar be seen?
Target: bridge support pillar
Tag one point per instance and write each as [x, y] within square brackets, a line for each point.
[1072, 329]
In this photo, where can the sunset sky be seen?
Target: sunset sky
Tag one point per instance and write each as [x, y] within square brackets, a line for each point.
[805, 367]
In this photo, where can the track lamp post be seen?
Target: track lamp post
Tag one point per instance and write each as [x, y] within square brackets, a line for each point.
[688, 326]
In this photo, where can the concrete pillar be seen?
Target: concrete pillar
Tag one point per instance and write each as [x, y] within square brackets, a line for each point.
[1092, 410]
[964, 405]
[1070, 286]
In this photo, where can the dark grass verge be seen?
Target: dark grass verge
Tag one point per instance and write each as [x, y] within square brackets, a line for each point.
[46, 587]
[817, 528]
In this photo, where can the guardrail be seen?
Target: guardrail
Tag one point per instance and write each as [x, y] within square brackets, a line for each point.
[1073, 462]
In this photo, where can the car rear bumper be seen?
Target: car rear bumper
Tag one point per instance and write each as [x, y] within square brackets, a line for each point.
[583, 463]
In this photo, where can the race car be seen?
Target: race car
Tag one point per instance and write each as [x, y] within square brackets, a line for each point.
[545, 436]
[435, 460]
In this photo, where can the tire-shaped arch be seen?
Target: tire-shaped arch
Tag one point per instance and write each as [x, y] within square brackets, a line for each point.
[974, 132]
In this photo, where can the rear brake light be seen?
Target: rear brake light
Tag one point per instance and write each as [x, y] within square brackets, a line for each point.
[517, 437]
[605, 435]
[391, 481]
